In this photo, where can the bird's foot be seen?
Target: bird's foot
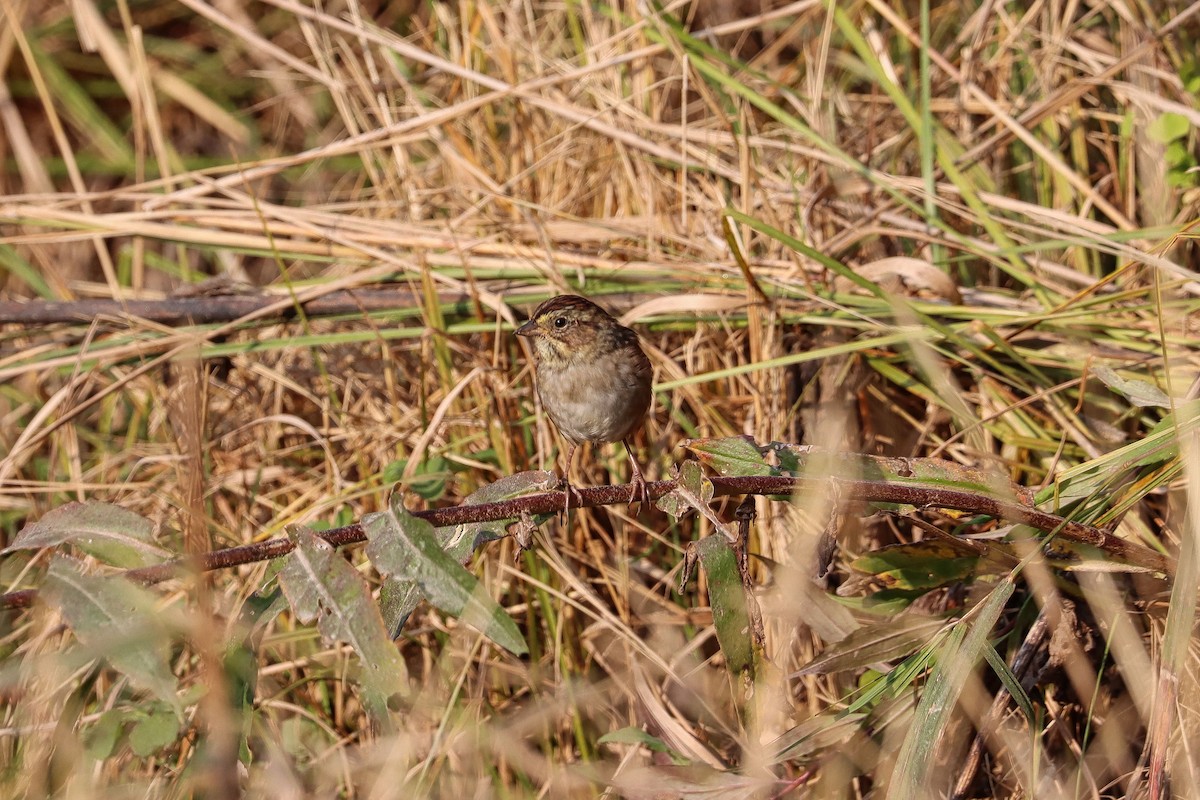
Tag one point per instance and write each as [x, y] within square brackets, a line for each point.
[572, 494]
[640, 493]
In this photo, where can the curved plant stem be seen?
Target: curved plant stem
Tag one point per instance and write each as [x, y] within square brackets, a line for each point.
[1135, 555]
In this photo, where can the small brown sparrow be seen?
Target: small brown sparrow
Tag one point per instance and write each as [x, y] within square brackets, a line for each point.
[592, 377]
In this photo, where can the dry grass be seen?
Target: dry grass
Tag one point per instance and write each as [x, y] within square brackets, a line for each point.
[1027, 179]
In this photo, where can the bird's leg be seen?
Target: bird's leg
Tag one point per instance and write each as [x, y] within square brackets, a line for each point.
[568, 489]
[640, 494]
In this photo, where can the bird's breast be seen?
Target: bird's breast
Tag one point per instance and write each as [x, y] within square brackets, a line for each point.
[595, 402]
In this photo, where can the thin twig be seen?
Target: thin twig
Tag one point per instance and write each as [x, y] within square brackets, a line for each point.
[1133, 554]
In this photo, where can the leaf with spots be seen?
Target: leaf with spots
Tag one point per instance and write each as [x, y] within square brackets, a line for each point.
[118, 621]
[110, 533]
[407, 548]
[321, 585]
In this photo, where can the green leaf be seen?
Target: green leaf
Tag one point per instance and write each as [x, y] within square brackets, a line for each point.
[1011, 682]
[399, 597]
[691, 489]
[725, 591]
[917, 565]
[728, 600]
[1181, 178]
[638, 736]
[462, 541]
[112, 534]
[405, 547]
[932, 472]
[429, 478]
[876, 688]
[241, 659]
[1168, 127]
[156, 730]
[394, 472]
[1178, 156]
[885, 602]
[118, 621]
[1140, 393]
[101, 738]
[323, 586]
[736, 455]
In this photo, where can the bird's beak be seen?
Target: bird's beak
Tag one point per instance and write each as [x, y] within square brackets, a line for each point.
[528, 329]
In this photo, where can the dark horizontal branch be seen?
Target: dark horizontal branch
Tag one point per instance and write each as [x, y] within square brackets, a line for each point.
[1135, 555]
[208, 308]
[201, 308]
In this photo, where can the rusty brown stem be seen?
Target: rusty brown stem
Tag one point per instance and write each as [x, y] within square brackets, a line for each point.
[1130, 553]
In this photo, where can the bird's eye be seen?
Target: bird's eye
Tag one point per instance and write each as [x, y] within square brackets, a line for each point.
[561, 322]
